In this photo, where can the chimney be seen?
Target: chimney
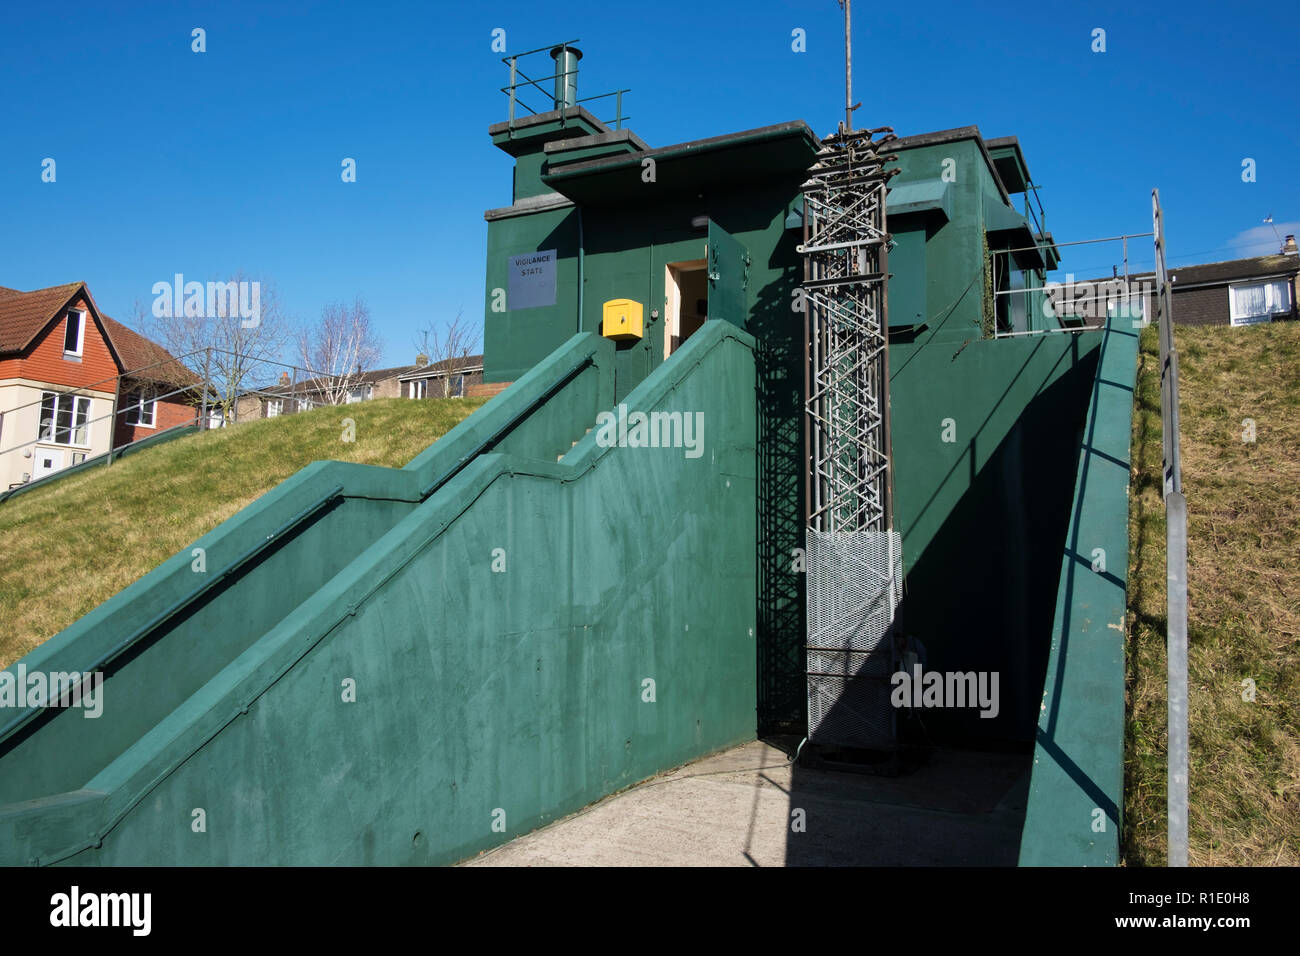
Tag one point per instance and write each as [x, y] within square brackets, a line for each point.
[1289, 247]
[284, 378]
[566, 75]
[421, 360]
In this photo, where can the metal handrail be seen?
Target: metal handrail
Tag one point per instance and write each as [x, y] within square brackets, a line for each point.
[1070, 329]
[1082, 242]
[90, 421]
[1125, 282]
[1039, 220]
[82, 390]
[204, 385]
[85, 391]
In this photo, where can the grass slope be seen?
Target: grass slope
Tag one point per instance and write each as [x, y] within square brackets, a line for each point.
[67, 548]
[1243, 503]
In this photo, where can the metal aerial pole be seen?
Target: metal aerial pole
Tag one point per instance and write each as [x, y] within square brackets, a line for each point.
[848, 64]
[849, 105]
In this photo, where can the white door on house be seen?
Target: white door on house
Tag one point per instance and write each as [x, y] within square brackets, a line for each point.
[48, 461]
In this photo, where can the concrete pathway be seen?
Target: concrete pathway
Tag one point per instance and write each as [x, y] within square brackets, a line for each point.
[744, 807]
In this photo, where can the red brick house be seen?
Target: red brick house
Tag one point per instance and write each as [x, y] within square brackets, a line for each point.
[63, 364]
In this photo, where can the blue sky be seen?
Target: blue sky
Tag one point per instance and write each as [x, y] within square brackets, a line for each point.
[206, 164]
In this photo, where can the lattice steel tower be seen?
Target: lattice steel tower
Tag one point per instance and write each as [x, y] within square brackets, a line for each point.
[854, 557]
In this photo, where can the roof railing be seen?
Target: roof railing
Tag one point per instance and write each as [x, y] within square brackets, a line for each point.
[520, 83]
[1040, 219]
[1098, 293]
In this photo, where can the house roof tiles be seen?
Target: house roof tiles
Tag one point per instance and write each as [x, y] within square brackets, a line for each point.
[24, 315]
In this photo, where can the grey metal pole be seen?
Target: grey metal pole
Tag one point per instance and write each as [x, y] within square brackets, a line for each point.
[112, 425]
[1175, 557]
[848, 65]
[1128, 299]
[1176, 648]
[207, 363]
[887, 436]
[514, 71]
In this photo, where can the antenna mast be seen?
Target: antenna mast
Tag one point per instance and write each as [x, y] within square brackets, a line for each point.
[848, 65]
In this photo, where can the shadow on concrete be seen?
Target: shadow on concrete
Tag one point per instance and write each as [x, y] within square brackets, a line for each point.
[981, 598]
[946, 807]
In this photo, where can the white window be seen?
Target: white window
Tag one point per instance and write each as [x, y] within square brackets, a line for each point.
[457, 386]
[65, 419]
[304, 405]
[274, 407]
[420, 388]
[140, 407]
[74, 333]
[1257, 301]
[358, 394]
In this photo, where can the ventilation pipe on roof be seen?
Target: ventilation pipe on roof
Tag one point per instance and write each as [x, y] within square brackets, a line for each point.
[566, 75]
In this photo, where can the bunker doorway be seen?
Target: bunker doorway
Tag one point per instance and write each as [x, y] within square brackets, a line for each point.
[687, 306]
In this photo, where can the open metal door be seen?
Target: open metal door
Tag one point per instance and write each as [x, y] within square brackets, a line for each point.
[728, 277]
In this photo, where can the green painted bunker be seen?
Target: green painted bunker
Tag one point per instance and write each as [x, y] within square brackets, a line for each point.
[615, 566]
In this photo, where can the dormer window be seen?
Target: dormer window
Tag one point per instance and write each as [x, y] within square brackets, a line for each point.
[74, 332]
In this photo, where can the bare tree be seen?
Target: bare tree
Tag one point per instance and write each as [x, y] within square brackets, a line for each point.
[340, 348]
[233, 349]
[450, 345]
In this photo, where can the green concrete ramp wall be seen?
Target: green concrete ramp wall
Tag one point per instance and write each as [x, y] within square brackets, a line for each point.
[986, 438]
[165, 636]
[405, 667]
[1073, 814]
[1012, 472]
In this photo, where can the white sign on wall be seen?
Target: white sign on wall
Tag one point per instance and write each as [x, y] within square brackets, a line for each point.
[532, 280]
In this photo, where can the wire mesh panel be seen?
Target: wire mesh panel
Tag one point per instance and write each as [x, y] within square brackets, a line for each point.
[854, 558]
[855, 581]
[854, 584]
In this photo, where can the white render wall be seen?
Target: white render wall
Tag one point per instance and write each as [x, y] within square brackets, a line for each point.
[20, 414]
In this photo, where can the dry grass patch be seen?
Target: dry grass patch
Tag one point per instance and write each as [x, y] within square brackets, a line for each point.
[1243, 502]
